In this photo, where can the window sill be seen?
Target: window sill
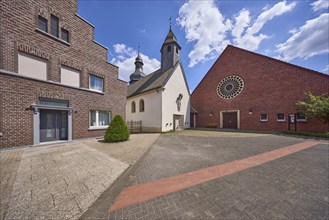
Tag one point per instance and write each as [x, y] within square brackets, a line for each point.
[280, 120]
[263, 120]
[94, 90]
[97, 128]
[51, 36]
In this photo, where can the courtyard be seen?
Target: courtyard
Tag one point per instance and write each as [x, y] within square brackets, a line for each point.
[189, 175]
[184, 175]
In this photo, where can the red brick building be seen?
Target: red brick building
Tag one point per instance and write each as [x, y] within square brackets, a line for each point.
[245, 90]
[55, 80]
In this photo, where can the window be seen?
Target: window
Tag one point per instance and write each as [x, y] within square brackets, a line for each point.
[169, 48]
[96, 83]
[263, 117]
[32, 66]
[230, 87]
[177, 50]
[70, 77]
[141, 105]
[99, 119]
[133, 107]
[54, 26]
[280, 117]
[65, 35]
[42, 24]
[301, 117]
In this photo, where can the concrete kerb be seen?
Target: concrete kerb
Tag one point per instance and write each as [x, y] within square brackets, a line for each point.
[108, 197]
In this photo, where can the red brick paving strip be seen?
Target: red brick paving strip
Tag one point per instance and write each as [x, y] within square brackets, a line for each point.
[143, 192]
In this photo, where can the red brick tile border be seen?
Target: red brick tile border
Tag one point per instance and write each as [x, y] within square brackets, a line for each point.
[143, 192]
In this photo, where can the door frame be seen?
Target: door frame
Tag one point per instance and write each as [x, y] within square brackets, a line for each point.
[174, 122]
[237, 115]
[36, 120]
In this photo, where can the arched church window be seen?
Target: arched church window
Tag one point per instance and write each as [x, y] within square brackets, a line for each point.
[133, 107]
[141, 105]
[169, 48]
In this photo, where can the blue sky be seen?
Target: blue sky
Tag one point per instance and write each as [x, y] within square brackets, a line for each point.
[293, 31]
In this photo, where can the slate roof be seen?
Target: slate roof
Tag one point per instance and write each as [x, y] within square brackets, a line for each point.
[155, 80]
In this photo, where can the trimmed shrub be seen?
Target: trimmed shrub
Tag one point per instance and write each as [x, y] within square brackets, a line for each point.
[117, 130]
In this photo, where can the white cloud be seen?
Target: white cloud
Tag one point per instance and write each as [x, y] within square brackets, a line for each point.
[203, 24]
[125, 60]
[320, 5]
[242, 20]
[251, 39]
[309, 40]
[326, 69]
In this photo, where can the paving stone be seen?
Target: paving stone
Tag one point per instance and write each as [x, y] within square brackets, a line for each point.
[271, 190]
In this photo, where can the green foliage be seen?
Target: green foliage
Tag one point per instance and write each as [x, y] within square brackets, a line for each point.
[307, 134]
[117, 130]
[316, 107]
[167, 132]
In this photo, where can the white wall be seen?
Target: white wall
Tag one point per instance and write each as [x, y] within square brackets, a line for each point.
[151, 117]
[175, 86]
[32, 66]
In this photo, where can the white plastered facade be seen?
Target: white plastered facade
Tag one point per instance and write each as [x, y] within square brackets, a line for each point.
[161, 106]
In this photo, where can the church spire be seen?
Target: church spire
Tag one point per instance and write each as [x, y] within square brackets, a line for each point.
[138, 74]
[170, 50]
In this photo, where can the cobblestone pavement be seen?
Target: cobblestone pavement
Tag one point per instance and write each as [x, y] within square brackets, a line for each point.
[9, 163]
[127, 152]
[62, 181]
[294, 186]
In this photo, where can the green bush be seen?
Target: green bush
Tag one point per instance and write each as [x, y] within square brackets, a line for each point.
[117, 130]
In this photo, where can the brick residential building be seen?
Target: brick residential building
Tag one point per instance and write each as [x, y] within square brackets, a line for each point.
[246, 90]
[55, 80]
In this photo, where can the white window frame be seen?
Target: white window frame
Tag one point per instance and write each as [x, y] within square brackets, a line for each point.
[91, 75]
[284, 117]
[263, 120]
[97, 126]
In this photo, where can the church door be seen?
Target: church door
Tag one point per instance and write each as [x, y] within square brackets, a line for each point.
[230, 120]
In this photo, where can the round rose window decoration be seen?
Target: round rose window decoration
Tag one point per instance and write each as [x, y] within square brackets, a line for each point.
[230, 87]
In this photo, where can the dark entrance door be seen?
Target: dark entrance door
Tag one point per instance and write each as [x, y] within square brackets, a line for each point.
[230, 120]
[53, 125]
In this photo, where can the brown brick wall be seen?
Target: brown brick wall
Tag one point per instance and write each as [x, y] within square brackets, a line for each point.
[271, 87]
[18, 33]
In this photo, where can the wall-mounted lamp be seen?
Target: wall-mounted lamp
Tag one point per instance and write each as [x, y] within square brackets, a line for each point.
[75, 112]
[210, 114]
[250, 111]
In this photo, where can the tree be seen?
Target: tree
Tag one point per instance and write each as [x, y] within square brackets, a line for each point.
[117, 130]
[316, 107]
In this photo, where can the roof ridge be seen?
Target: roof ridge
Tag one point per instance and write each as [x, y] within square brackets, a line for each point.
[275, 59]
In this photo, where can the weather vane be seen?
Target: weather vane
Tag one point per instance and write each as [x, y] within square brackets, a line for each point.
[170, 21]
[138, 47]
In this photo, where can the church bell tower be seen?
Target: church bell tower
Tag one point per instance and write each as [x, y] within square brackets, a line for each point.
[138, 74]
[170, 51]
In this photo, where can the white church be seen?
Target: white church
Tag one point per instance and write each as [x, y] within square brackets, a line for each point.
[161, 100]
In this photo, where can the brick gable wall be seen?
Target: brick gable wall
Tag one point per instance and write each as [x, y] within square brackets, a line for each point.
[19, 34]
[271, 87]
